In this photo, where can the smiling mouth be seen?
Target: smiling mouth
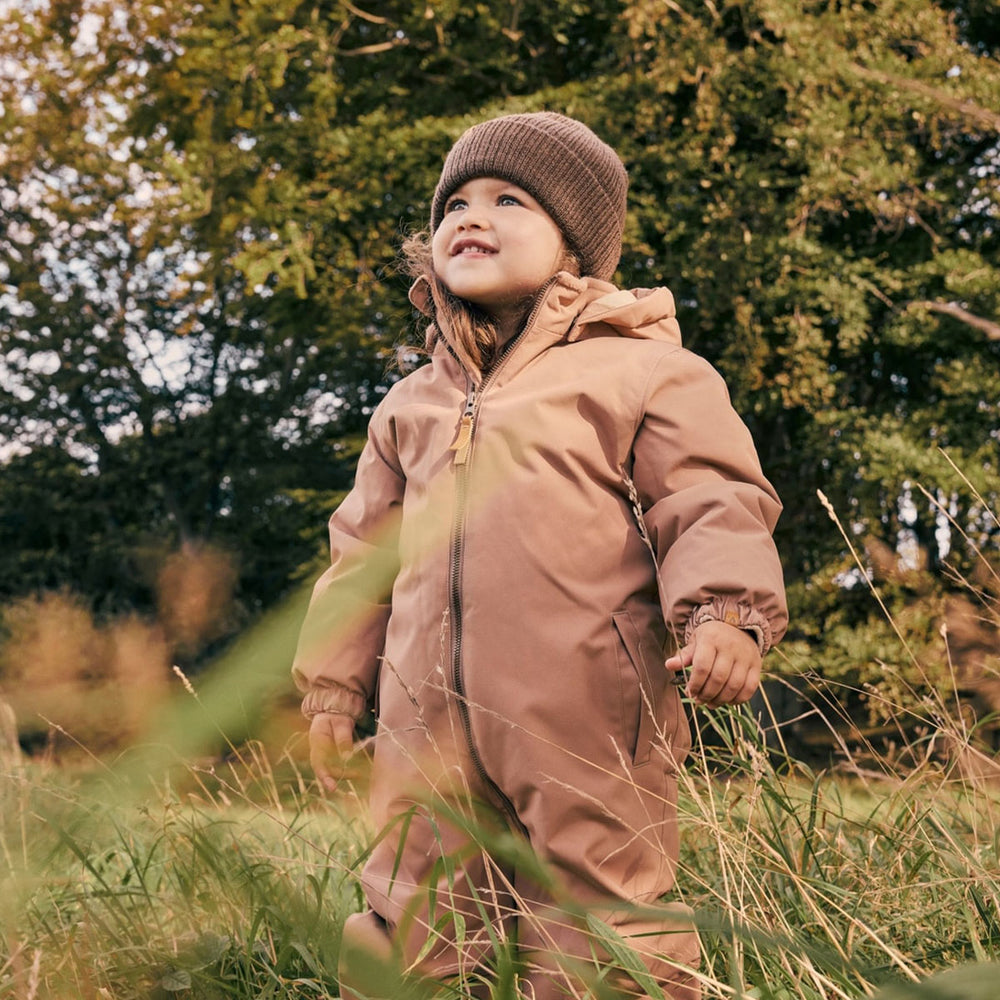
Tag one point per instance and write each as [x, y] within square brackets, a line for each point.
[464, 249]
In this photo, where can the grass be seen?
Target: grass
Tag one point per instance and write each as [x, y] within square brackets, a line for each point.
[233, 879]
[179, 871]
[193, 889]
[822, 886]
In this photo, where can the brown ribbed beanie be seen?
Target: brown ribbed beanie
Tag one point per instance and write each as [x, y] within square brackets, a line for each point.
[574, 176]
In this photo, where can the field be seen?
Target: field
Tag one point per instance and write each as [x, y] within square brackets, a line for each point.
[229, 877]
[205, 865]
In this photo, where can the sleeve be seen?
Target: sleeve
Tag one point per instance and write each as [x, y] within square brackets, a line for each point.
[708, 509]
[337, 659]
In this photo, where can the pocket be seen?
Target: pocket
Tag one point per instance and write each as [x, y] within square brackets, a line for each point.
[640, 695]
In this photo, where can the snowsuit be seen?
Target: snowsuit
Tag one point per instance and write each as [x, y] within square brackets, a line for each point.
[494, 592]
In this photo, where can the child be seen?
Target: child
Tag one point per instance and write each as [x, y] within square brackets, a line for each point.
[536, 510]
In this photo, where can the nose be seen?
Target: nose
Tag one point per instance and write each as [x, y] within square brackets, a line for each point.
[472, 217]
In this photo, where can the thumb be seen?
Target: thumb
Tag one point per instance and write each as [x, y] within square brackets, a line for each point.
[682, 658]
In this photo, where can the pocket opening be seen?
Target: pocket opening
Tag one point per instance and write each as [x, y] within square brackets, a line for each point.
[645, 726]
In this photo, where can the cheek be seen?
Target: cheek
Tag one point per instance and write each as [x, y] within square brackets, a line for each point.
[558, 253]
[439, 248]
[551, 243]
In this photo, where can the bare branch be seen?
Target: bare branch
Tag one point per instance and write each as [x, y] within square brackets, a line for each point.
[953, 309]
[964, 106]
[368, 50]
[374, 18]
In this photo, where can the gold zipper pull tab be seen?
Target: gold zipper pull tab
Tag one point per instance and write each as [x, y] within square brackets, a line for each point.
[460, 446]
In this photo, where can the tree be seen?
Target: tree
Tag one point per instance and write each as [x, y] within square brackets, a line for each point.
[828, 177]
[818, 184]
[145, 384]
[200, 317]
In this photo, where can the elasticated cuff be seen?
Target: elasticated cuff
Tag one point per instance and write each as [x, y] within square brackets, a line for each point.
[336, 699]
[740, 614]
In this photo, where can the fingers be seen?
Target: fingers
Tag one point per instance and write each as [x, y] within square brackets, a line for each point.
[331, 738]
[681, 659]
[725, 665]
[726, 683]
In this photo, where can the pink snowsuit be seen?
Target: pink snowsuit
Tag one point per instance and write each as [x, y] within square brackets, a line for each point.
[494, 591]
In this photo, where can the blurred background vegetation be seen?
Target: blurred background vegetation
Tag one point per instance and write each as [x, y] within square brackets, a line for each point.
[201, 206]
[199, 308]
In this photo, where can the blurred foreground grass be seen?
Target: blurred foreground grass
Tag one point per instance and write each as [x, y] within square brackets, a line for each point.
[204, 865]
[222, 881]
[230, 878]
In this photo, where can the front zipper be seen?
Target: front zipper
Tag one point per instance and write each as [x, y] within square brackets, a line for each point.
[462, 447]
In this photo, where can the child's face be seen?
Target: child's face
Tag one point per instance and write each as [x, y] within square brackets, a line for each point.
[496, 245]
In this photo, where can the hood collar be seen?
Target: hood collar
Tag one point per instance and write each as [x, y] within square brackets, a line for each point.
[640, 313]
[420, 295]
[582, 305]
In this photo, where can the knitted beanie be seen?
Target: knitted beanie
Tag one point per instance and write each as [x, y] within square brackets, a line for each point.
[573, 175]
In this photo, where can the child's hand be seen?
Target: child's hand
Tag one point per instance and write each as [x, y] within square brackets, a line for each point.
[331, 738]
[724, 661]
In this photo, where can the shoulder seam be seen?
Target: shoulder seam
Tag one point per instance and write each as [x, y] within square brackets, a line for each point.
[669, 350]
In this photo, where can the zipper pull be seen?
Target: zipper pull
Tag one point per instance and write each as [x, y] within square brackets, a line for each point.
[460, 446]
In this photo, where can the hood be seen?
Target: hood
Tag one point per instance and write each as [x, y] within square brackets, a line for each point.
[589, 307]
[639, 313]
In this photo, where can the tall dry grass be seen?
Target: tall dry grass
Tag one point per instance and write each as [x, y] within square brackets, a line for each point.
[232, 878]
[200, 865]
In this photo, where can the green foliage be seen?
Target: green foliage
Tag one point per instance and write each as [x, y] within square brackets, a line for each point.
[185, 899]
[201, 303]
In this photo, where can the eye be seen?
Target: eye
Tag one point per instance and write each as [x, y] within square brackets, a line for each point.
[508, 199]
[454, 205]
